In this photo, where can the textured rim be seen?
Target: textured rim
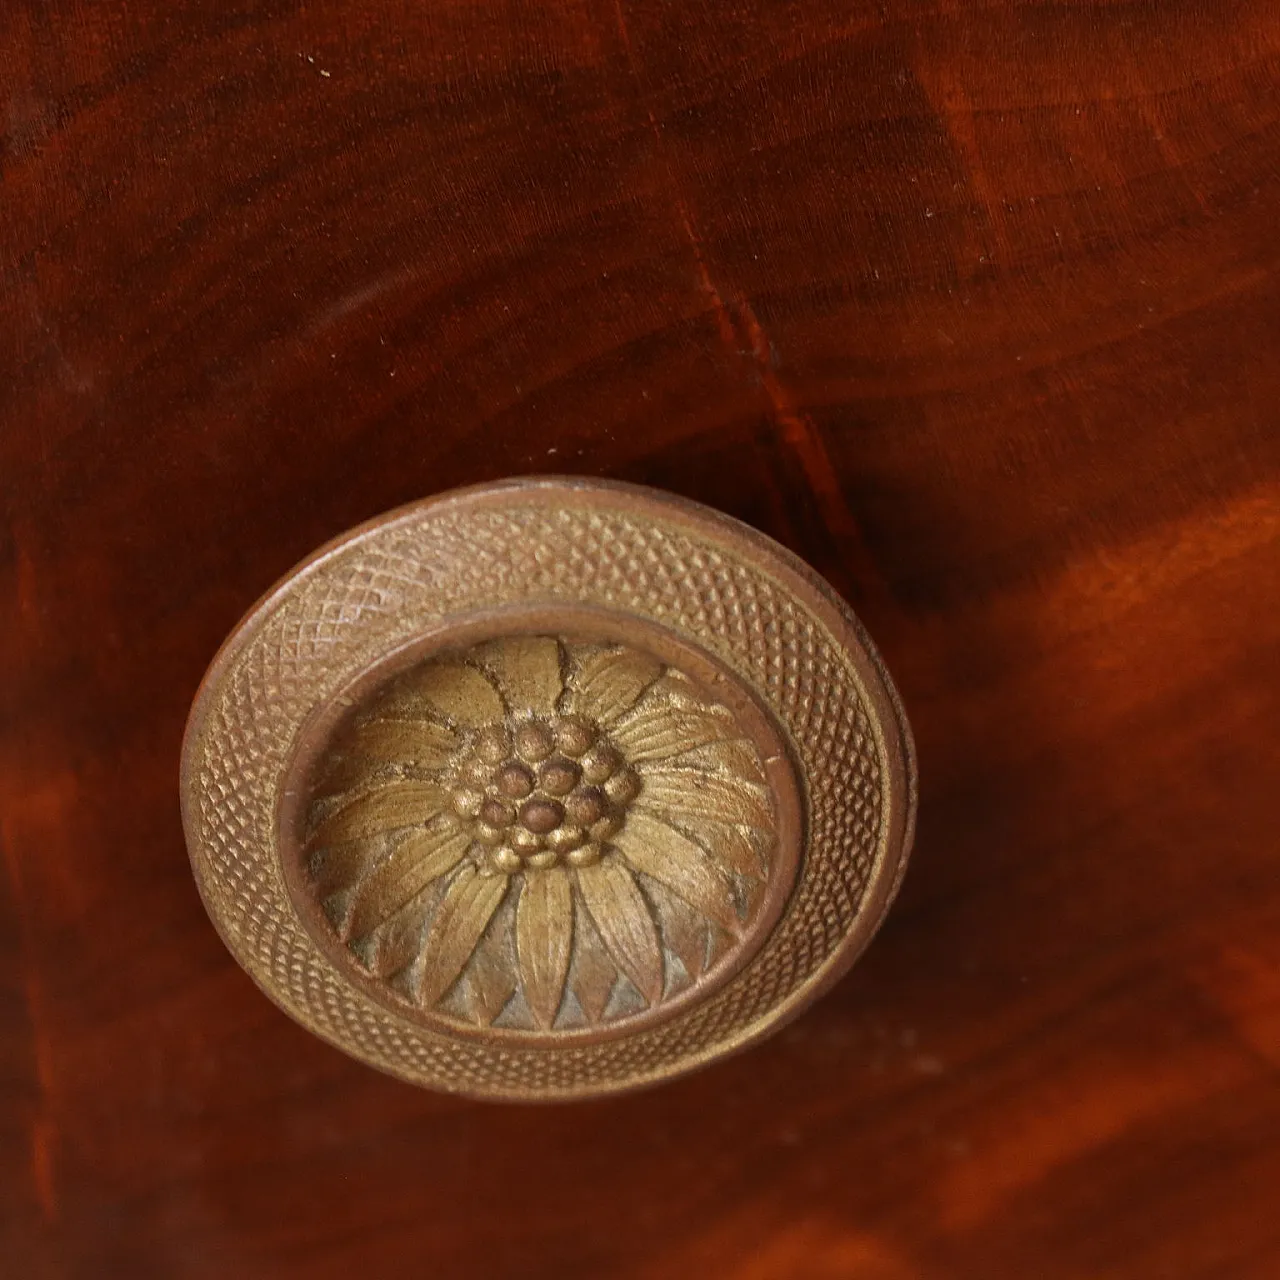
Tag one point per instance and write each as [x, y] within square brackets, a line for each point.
[793, 644]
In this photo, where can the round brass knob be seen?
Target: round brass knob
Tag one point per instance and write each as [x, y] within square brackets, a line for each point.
[548, 788]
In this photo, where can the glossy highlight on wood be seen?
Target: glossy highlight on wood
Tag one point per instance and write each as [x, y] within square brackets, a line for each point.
[975, 305]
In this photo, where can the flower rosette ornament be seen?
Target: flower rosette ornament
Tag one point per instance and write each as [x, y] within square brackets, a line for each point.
[536, 834]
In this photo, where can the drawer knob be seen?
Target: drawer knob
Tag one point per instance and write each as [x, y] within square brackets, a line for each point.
[549, 788]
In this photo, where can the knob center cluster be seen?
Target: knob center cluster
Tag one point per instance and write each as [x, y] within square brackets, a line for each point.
[541, 791]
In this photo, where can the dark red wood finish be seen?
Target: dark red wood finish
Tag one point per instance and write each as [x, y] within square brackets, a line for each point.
[976, 305]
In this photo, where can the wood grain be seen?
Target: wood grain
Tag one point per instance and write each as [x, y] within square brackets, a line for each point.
[975, 305]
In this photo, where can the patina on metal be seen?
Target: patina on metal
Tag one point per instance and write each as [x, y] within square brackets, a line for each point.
[549, 788]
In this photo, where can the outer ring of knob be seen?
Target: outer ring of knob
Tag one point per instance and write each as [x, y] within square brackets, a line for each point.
[642, 564]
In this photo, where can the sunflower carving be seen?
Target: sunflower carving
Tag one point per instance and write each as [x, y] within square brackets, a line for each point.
[540, 835]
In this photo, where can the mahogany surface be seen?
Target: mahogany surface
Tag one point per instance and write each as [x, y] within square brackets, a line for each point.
[973, 303]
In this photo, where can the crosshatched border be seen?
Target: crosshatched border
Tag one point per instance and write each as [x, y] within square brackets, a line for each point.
[716, 585]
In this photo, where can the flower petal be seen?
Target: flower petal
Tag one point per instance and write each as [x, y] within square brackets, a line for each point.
[544, 933]
[682, 865]
[340, 865]
[464, 915]
[655, 731]
[411, 867]
[683, 929]
[704, 795]
[731, 848]
[344, 771]
[490, 977]
[527, 669]
[622, 917]
[459, 693]
[397, 941]
[734, 757]
[594, 974]
[420, 742]
[398, 804]
[610, 682]
[675, 689]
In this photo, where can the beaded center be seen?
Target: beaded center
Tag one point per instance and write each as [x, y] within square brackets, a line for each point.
[541, 791]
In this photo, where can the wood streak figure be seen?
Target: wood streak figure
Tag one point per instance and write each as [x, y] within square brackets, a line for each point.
[974, 305]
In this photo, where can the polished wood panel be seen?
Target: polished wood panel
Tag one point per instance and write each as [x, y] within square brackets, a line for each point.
[975, 305]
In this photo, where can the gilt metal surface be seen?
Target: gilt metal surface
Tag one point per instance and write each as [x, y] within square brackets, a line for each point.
[547, 789]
